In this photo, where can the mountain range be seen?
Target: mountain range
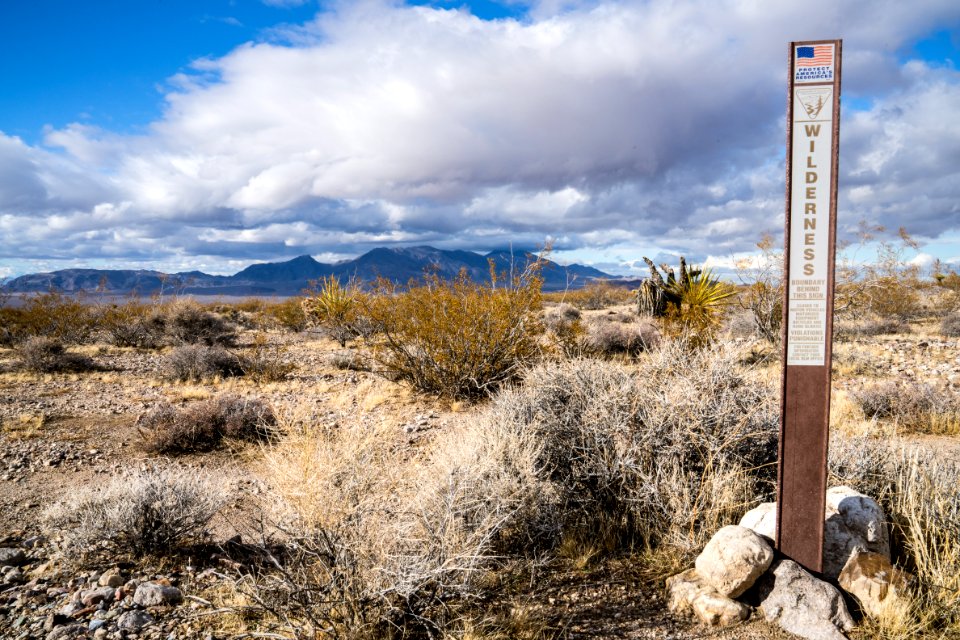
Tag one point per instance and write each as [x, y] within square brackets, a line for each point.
[291, 277]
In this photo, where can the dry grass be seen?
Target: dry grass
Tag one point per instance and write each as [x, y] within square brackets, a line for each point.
[24, 427]
[375, 535]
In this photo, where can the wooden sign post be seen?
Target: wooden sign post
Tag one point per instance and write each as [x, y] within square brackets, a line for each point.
[813, 120]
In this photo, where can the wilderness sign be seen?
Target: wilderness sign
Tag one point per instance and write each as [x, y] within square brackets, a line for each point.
[812, 152]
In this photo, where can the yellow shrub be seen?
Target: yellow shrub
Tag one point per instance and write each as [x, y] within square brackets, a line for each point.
[457, 338]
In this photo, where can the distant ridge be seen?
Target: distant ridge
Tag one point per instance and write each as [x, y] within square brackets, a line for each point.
[292, 276]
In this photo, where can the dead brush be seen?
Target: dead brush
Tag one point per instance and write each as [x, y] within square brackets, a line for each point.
[196, 362]
[204, 425]
[607, 338]
[266, 360]
[134, 324]
[42, 354]
[187, 322]
[659, 456]
[950, 325]
[915, 407]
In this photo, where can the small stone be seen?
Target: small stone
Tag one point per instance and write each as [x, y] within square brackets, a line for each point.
[134, 620]
[733, 560]
[111, 578]
[151, 594]
[877, 585]
[67, 631]
[91, 597]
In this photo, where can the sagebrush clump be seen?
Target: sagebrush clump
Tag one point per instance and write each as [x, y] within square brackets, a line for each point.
[41, 354]
[912, 407]
[660, 456]
[187, 322]
[950, 326]
[154, 510]
[204, 425]
[195, 362]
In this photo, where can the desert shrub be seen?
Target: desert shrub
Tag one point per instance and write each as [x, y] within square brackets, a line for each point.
[893, 296]
[153, 510]
[604, 337]
[914, 407]
[457, 338]
[337, 308]
[950, 326]
[664, 455]
[202, 426]
[741, 325]
[564, 330]
[849, 329]
[762, 292]
[47, 355]
[598, 295]
[560, 315]
[196, 362]
[288, 315]
[67, 319]
[134, 324]
[347, 360]
[266, 361]
[187, 322]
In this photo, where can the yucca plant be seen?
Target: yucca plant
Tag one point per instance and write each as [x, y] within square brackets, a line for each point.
[691, 306]
[335, 307]
[697, 314]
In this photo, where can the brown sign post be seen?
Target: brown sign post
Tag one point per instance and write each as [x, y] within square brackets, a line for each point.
[813, 119]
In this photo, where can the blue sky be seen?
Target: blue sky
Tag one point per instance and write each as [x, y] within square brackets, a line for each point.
[210, 134]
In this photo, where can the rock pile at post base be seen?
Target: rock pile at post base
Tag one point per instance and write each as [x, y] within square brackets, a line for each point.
[739, 563]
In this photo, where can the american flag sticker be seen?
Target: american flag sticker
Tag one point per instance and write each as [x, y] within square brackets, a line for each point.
[813, 63]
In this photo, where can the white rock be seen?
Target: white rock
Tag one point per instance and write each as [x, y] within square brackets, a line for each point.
[733, 560]
[801, 604]
[762, 520]
[852, 522]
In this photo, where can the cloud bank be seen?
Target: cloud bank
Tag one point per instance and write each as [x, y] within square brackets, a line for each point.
[626, 128]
